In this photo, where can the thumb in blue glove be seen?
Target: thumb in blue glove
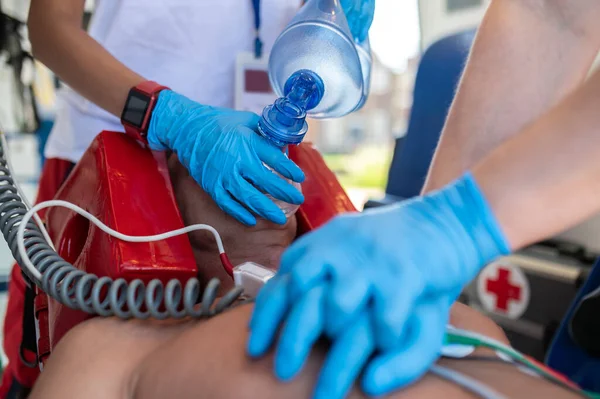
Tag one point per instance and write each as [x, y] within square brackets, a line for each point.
[224, 154]
[411, 260]
[359, 14]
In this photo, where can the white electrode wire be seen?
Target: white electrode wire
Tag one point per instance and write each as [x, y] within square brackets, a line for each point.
[466, 382]
[124, 237]
[20, 192]
[487, 340]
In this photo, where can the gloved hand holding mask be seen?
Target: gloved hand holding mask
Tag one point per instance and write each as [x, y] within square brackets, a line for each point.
[224, 154]
[379, 285]
[359, 14]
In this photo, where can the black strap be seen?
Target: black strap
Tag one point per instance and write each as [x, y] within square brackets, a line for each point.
[28, 339]
[17, 391]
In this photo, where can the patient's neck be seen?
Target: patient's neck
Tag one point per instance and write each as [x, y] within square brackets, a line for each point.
[263, 243]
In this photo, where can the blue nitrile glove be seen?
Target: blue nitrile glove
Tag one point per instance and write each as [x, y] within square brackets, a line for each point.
[224, 154]
[381, 282]
[359, 14]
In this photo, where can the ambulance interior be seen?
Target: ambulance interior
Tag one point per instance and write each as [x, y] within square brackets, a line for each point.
[393, 137]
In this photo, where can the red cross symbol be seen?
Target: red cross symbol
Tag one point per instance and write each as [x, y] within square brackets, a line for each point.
[503, 289]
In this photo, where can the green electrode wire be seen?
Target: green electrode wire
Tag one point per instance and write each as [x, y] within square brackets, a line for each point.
[461, 337]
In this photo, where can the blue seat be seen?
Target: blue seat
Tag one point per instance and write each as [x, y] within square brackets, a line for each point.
[43, 133]
[437, 78]
[575, 350]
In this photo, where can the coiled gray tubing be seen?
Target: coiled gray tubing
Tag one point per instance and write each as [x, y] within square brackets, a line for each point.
[82, 291]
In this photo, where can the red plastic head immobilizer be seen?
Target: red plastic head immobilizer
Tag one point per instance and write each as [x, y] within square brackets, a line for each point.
[129, 189]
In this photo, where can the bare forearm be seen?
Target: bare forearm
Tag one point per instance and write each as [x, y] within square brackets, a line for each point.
[527, 55]
[61, 44]
[547, 178]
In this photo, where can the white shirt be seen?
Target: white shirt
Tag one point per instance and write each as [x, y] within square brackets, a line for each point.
[188, 45]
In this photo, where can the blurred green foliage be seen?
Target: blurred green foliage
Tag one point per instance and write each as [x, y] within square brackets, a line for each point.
[365, 168]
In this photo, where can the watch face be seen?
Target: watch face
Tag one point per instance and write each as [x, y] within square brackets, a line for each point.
[135, 108]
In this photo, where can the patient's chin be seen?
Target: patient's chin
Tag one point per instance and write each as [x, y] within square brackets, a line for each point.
[263, 243]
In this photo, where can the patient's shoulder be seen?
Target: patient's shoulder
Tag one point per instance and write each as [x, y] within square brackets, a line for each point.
[206, 357]
[467, 318]
[145, 359]
[113, 334]
[101, 347]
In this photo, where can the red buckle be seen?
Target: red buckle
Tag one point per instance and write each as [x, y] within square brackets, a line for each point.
[40, 303]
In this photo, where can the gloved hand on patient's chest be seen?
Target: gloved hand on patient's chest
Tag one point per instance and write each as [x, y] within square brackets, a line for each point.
[359, 14]
[224, 154]
[379, 285]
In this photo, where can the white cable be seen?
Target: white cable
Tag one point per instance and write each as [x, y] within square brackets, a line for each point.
[20, 191]
[489, 341]
[466, 382]
[124, 237]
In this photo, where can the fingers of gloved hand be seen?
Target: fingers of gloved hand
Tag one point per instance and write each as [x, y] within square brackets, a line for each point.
[270, 183]
[359, 14]
[393, 301]
[310, 270]
[348, 296]
[256, 201]
[291, 256]
[224, 200]
[320, 241]
[248, 119]
[417, 351]
[231, 117]
[303, 327]
[271, 305]
[274, 158]
[350, 8]
[365, 19]
[345, 360]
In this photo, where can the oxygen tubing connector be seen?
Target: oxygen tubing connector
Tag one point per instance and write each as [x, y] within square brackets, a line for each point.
[284, 122]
